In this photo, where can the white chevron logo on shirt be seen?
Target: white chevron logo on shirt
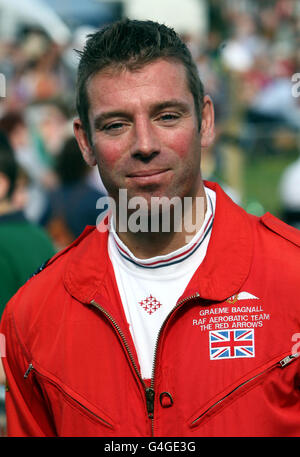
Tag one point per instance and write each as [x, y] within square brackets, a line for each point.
[241, 296]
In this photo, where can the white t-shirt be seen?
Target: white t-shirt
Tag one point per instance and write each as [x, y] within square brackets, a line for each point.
[150, 288]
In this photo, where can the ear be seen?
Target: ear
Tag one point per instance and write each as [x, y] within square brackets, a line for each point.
[84, 143]
[208, 122]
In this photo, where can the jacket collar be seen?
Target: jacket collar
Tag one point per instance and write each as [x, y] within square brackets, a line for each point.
[221, 274]
[229, 255]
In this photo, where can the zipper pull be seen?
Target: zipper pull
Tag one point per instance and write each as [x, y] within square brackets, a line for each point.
[288, 359]
[30, 367]
[150, 401]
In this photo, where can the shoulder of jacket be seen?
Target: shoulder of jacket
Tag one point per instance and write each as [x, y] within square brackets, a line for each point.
[281, 228]
[38, 285]
[63, 252]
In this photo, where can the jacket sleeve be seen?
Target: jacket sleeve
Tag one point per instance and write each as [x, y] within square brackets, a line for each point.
[26, 410]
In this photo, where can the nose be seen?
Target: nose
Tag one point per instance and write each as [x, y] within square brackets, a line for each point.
[146, 144]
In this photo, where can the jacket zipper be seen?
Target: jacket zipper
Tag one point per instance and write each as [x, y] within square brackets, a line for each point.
[282, 363]
[160, 331]
[184, 300]
[149, 391]
[32, 368]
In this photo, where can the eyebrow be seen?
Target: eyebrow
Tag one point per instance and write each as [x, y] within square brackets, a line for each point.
[174, 103]
[156, 107]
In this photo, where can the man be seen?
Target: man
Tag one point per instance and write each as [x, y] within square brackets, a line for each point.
[181, 330]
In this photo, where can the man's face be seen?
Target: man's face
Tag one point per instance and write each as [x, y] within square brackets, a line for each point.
[144, 130]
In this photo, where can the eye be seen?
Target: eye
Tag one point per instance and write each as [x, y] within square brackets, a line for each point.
[168, 118]
[114, 128]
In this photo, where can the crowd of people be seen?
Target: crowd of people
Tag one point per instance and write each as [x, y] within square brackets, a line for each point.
[246, 64]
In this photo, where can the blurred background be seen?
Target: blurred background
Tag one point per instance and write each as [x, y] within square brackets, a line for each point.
[248, 55]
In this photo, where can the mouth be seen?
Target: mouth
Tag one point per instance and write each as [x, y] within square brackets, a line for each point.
[148, 177]
[146, 173]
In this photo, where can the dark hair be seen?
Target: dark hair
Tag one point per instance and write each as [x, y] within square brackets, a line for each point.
[70, 165]
[8, 164]
[131, 44]
[10, 120]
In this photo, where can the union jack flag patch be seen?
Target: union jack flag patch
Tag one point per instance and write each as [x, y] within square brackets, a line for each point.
[231, 344]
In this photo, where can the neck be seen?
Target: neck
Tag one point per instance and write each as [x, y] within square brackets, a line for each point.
[173, 229]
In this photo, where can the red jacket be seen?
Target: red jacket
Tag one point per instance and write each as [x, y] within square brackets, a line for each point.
[226, 359]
